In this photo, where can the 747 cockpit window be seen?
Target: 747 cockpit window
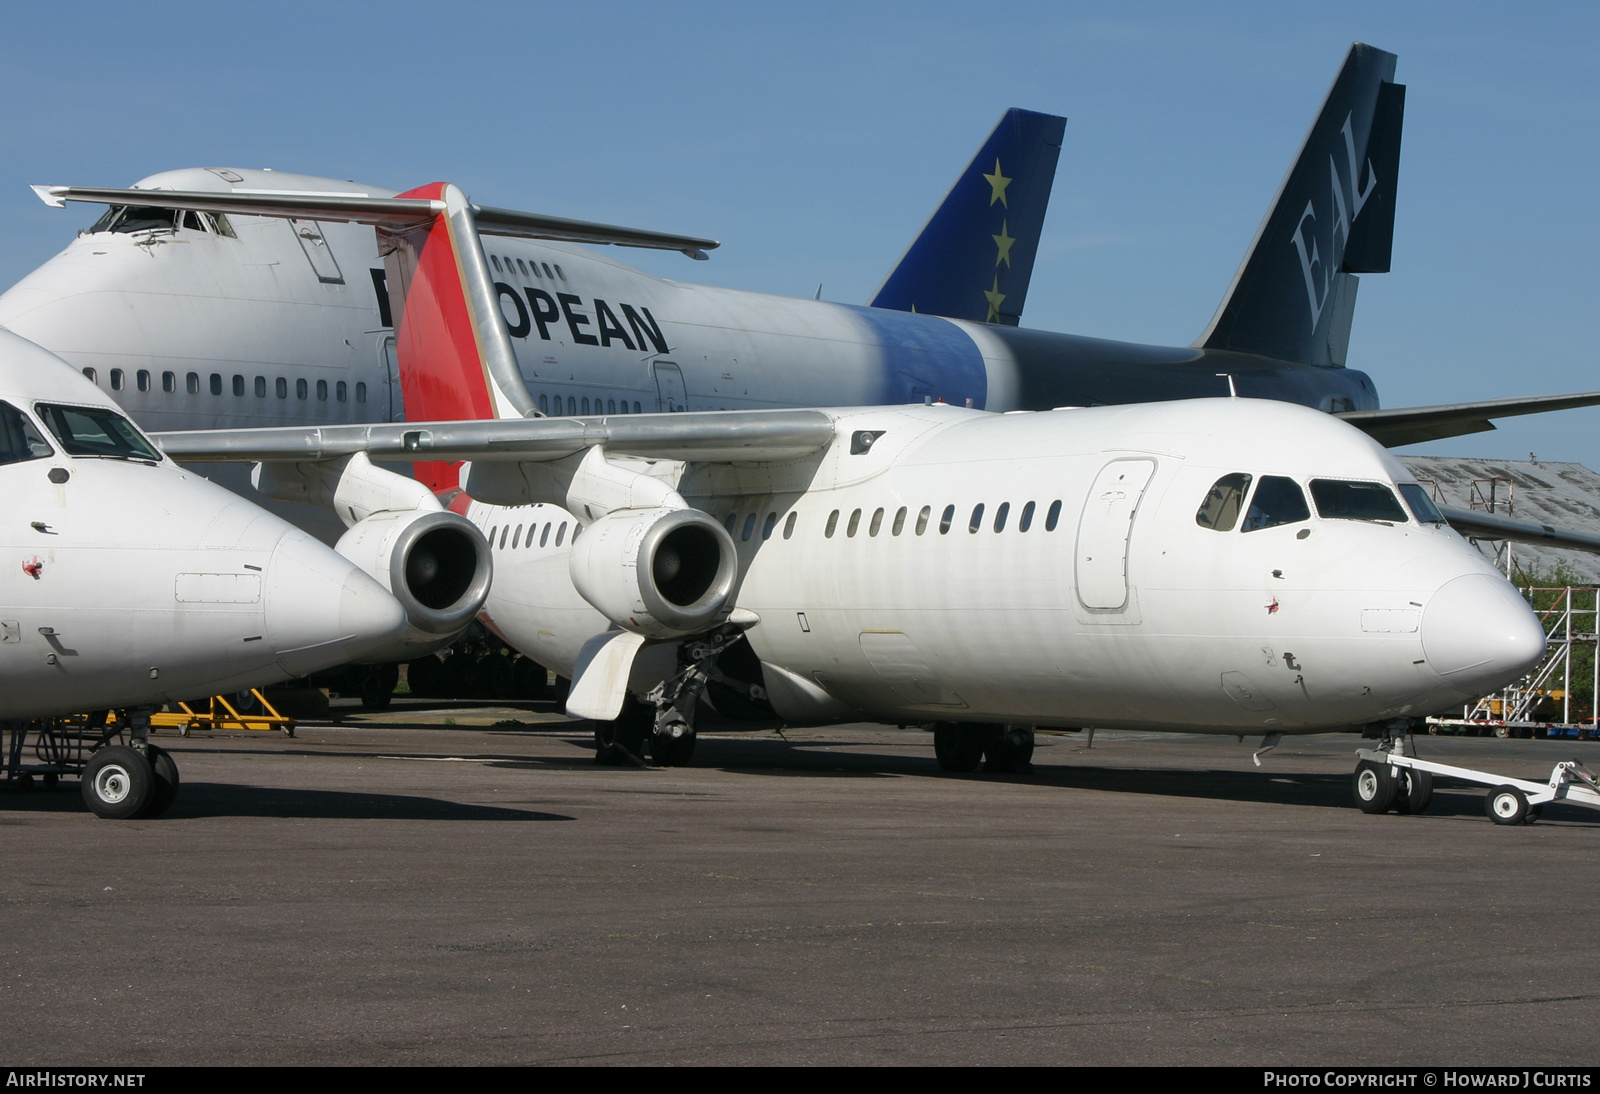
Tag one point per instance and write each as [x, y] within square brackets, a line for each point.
[19, 437]
[96, 431]
[1343, 500]
[1277, 501]
[1220, 510]
[135, 218]
[1422, 506]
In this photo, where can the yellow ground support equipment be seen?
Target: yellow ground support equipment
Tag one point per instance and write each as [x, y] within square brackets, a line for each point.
[222, 713]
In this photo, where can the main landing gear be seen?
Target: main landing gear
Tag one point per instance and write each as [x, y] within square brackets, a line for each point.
[1002, 749]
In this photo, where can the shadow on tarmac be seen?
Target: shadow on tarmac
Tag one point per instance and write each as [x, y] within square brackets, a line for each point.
[202, 800]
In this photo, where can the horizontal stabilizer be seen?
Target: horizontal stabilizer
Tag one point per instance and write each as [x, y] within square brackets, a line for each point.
[1413, 425]
[1478, 525]
[394, 213]
[743, 436]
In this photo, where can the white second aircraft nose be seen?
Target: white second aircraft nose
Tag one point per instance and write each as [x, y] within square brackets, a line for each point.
[321, 610]
[1479, 634]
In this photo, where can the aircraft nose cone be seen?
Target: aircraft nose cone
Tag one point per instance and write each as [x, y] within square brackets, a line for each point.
[321, 610]
[1479, 634]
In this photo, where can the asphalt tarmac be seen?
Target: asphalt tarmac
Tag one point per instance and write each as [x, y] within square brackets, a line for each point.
[395, 890]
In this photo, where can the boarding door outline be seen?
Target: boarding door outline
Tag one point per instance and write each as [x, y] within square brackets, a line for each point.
[1100, 561]
[670, 394]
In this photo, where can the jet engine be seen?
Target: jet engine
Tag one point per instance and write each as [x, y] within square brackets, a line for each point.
[660, 572]
[437, 564]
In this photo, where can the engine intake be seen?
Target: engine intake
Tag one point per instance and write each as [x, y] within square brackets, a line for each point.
[658, 572]
[437, 564]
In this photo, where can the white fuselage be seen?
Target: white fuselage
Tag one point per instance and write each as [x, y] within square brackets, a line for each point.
[868, 609]
[130, 580]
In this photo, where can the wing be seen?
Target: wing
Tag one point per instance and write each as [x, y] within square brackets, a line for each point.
[1413, 425]
[1486, 526]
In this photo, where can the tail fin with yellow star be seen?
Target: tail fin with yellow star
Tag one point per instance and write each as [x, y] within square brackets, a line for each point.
[973, 258]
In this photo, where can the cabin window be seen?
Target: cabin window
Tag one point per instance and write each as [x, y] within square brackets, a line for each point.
[585, 404]
[855, 523]
[1000, 515]
[1277, 501]
[1422, 506]
[89, 374]
[977, 518]
[946, 519]
[322, 391]
[561, 533]
[516, 537]
[922, 519]
[733, 518]
[300, 388]
[1341, 500]
[143, 379]
[572, 404]
[191, 383]
[1220, 510]
[544, 536]
[768, 525]
[749, 528]
[238, 386]
[522, 268]
[169, 382]
[504, 532]
[20, 439]
[496, 260]
[116, 379]
[833, 523]
[1052, 517]
[216, 383]
[493, 528]
[877, 522]
[282, 388]
[899, 521]
[1025, 521]
[341, 391]
[547, 272]
[361, 392]
[636, 409]
[559, 274]
[788, 526]
[611, 407]
[261, 387]
[544, 404]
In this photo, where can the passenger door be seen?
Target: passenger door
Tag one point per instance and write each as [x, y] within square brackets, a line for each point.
[1102, 555]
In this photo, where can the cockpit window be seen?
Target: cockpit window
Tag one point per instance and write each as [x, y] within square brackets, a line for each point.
[95, 431]
[135, 218]
[19, 437]
[1277, 501]
[1220, 510]
[1343, 500]
[1422, 506]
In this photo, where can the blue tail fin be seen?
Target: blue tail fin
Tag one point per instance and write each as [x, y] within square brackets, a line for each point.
[1294, 295]
[975, 255]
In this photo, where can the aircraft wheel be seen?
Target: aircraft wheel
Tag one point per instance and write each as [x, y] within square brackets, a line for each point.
[669, 751]
[958, 748]
[164, 789]
[1414, 793]
[1010, 751]
[377, 686]
[1374, 787]
[117, 783]
[51, 780]
[622, 739]
[1534, 813]
[1506, 805]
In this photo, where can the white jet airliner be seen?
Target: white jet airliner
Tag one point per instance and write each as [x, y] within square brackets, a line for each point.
[130, 581]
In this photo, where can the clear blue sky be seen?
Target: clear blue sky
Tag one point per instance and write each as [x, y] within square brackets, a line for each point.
[814, 139]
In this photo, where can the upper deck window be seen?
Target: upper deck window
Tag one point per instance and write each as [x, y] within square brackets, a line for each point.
[1340, 499]
[95, 431]
[1277, 501]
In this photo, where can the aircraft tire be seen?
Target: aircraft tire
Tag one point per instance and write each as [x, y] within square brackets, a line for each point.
[669, 751]
[957, 747]
[1009, 751]
[1415, 793]
[1374, 787]
[117, 783]
[1506, 805]
[621, 740]
[164, 789]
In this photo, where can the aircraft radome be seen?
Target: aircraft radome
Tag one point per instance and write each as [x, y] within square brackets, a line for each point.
[130, 581]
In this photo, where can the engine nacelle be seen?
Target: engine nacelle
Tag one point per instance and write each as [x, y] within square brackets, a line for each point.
[437, 564]
[658, 572]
